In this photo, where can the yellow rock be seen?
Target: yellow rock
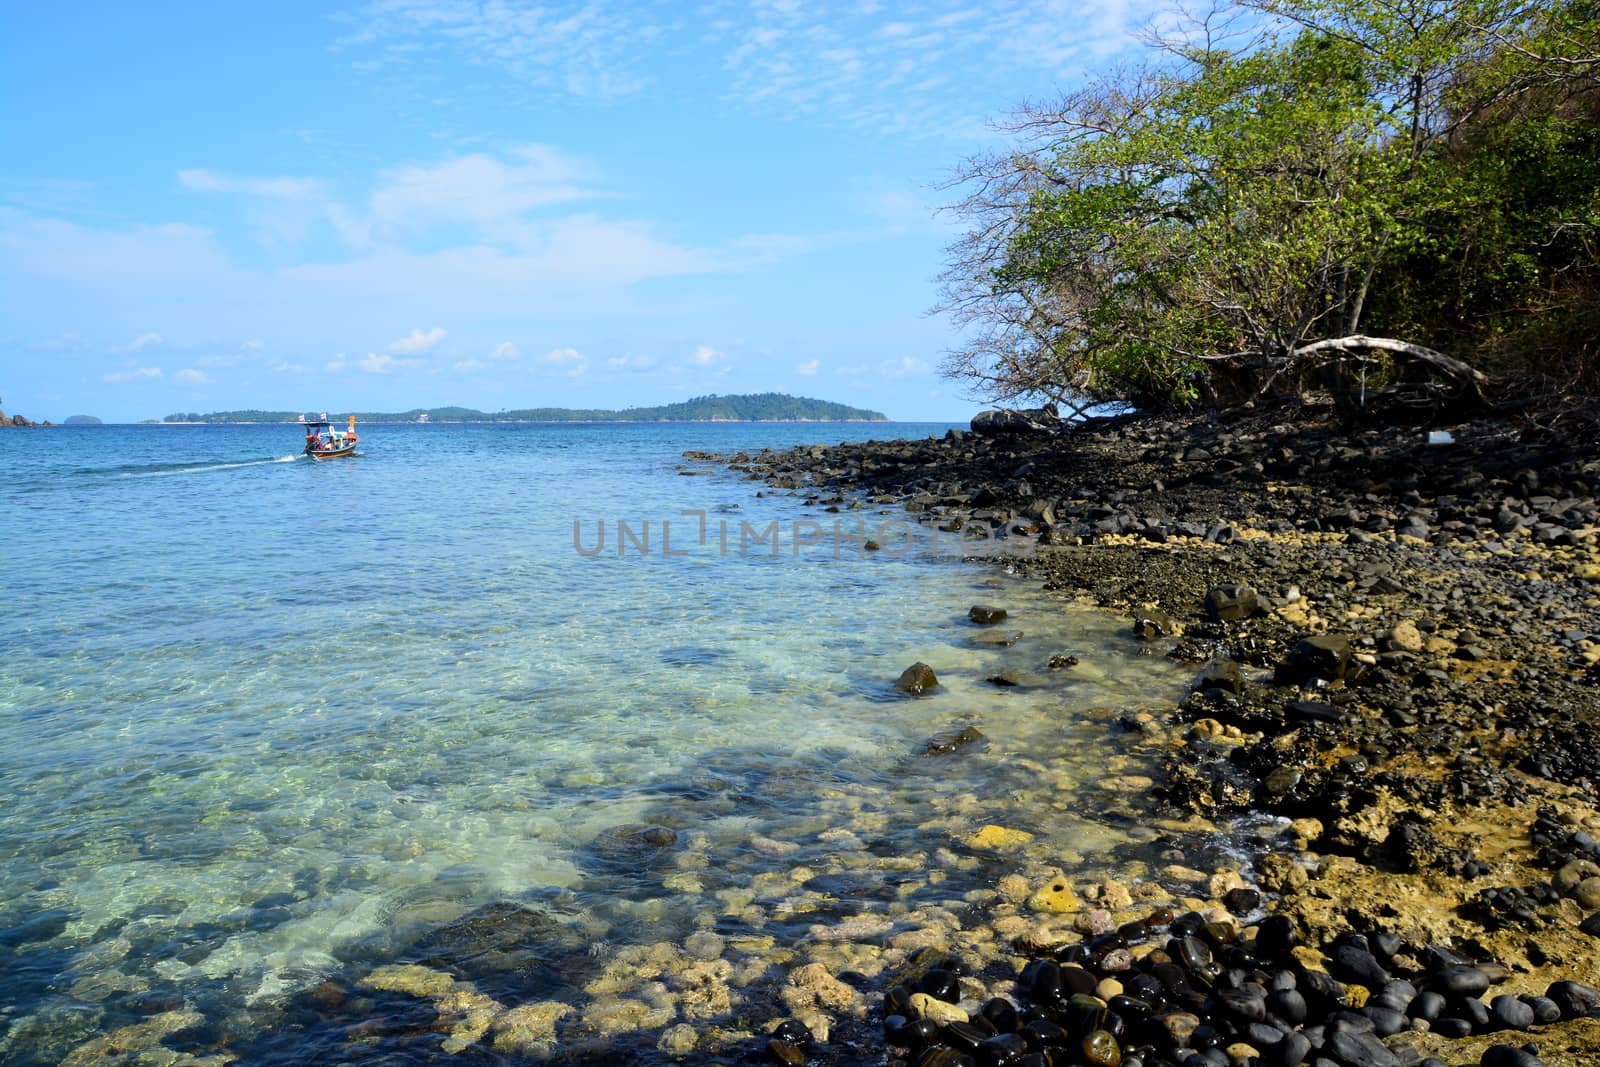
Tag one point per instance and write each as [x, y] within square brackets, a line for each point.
[411, 978]
[1056, 895]
[998, 837]
[530, 1027]
[926, 1007]
[1358, 995]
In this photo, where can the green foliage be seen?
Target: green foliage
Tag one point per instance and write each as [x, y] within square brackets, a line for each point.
[751, 407]
[1184, 230]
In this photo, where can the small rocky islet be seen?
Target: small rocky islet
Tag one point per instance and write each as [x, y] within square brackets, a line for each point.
[1396, 640]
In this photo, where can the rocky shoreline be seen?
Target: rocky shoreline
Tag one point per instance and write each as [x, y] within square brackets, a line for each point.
[18, 420]
[1367, 837]
[1396, 642]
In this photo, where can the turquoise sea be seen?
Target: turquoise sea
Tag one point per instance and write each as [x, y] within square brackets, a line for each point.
[268, 724]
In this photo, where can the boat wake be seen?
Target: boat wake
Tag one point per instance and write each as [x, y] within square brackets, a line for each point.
[160, 470]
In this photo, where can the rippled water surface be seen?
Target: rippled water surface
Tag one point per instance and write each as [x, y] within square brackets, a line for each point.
[267, 723]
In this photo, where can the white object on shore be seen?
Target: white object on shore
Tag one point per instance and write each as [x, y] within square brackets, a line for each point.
[1441, 437]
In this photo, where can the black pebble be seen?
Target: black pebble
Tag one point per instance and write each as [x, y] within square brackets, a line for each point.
[1509, 1056]
[1429, 1006]
[1506, 1012]
[1461, 981]
[1290, 1052]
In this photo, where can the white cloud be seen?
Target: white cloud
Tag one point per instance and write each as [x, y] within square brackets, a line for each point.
[808, 369]
[468, 365]
[131, 375]
[906, 367]
[210, 181]
[850, 372]
[381, 363]
[252, 346]
[505, 350]
[569, 361]
[287, 368]
[706, 356]
[417, 341]
[192, 376]
[479, 190]
[144, 340]
[578, 50]
[334, 365]
[631, 362]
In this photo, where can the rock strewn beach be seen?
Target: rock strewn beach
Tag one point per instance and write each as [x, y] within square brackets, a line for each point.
[1366, 837]
[1396, 640]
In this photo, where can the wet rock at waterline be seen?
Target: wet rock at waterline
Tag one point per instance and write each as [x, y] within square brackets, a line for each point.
[985, 615]
[954, 739]
[995, 638]
[916, 679]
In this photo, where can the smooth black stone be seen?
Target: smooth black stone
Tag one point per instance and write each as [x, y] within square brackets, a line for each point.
[1250, 1007]
[1354, 963]
[1460, 981]
[1076, 953]
[1288, 1005]
[1290, 1052]
[1507, 1012]
[963, 1036]
[785, 1052]
[1436, 958]
[1085, 1014]
[1384, 945]
[897, 1001]
[1474, 1011]
[1191, 952]
[1276, 936]
[1573, 998]
[1348, 1022]
[1042, 1034]
[940, 984]
[1001, 1050]
[1591, 925]
[1429, 1005]
[1146, 987]
[1262, 1035]
[1386, 1022]
[1043, 979]
[1545, 1010]
[1360, 1050]
[945, 1056]
[1002, 1014]
[1077, 981]
[1322, 991]
[1509, 1056]
[1451, 1027]
[1399, 990]
[1133, 1010]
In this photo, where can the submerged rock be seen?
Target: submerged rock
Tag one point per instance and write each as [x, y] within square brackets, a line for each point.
[916, 679]
[954, 740]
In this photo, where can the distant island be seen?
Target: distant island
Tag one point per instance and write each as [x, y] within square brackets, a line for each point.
[747, 407]
[80, 420]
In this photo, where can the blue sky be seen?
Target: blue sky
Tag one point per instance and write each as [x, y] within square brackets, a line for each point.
[415, 203]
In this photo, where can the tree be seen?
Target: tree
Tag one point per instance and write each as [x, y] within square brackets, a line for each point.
[1212, 225]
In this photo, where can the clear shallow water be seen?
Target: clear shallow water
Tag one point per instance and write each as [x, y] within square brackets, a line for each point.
[266, 722]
